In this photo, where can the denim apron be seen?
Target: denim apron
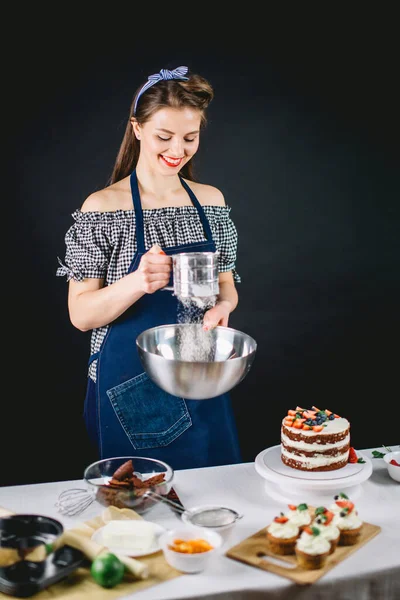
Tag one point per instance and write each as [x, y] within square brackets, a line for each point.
[133, 415]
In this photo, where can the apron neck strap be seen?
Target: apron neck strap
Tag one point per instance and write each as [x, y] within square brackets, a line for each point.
[137, 205]
[196, 204]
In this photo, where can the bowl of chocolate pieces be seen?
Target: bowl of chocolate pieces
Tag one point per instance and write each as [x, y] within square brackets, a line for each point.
[132, 482]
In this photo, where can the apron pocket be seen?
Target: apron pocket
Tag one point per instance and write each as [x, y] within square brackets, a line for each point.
[150, 417]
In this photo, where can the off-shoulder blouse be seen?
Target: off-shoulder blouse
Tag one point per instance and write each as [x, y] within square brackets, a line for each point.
[102, 244]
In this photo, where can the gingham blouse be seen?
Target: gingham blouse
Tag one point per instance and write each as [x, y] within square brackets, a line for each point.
[102, 244]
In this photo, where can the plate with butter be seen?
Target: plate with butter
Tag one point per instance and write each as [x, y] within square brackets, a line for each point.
[136, 537]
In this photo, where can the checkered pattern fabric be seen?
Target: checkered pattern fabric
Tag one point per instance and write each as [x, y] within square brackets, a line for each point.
[102, 245]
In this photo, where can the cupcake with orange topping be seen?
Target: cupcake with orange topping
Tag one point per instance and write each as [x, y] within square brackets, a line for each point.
[299, 514]
[347, 520]
[324, 520]
[311, 548]
[282, 535]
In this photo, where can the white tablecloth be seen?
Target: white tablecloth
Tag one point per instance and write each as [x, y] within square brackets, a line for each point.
[370, 573]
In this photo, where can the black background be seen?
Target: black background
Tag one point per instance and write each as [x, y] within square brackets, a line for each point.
[303, 142]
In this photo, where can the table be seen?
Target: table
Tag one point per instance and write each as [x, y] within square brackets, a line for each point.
[371, 573]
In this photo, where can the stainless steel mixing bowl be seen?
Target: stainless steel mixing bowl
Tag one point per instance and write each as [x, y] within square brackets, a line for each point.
[186, 361]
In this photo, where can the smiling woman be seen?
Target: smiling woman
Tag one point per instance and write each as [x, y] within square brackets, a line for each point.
[118, 259]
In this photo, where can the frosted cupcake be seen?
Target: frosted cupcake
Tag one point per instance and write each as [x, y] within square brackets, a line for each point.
[299, 514]
[346, 520]
[324, 520]
[282, 535]
[311, 548]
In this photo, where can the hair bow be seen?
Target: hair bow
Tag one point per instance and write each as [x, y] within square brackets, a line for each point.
[163, 75]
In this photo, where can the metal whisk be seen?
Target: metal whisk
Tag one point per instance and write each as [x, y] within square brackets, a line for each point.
[74, 501]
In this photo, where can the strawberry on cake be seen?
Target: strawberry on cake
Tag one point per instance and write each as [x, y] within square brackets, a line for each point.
[314, 439]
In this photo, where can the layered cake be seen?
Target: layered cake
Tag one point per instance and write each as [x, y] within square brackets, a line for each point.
[314, 440]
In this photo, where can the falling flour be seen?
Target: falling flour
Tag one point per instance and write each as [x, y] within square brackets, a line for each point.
[195, 344]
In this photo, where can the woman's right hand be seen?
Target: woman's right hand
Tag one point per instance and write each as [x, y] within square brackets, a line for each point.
[154, 270]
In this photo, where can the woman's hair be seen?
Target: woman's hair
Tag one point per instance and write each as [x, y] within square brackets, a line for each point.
[196, 93]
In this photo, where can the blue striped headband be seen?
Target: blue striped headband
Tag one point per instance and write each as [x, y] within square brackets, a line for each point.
[163, 75]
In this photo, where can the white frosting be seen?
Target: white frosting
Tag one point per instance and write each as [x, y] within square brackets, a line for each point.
[283, 530]
[313, 544]
[331, 427]
[349, 521]
[329, 532]
[299, 517]
[316, 461]
[314, 446]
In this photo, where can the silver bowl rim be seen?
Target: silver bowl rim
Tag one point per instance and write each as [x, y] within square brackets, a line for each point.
[169, 471]
[198, 362]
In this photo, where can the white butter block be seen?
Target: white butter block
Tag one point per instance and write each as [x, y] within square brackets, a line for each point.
[135, 534]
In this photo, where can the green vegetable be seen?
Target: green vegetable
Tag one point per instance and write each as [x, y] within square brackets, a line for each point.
[49, 548]
[107, 570]
[376, 454]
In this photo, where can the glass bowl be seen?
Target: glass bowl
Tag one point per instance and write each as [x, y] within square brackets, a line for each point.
[124, 481]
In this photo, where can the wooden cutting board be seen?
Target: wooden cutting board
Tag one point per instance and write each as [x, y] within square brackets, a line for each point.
[255, 551]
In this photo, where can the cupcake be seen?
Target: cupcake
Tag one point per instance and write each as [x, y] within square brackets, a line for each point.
[299, 515]
[346, 520]
[282, 535]
[311, 548]
[324, 520]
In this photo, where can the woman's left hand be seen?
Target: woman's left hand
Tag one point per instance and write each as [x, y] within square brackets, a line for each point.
[217, 315]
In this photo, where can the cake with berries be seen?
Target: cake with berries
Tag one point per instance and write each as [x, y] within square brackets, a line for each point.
[314, 439]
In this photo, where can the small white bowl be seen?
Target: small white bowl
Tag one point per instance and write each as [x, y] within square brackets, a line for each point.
[393, 470]
[190, 563]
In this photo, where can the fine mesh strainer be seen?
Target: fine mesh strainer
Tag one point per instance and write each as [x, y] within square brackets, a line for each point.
[213, 516]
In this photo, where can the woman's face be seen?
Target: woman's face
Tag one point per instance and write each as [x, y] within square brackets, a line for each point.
[169, 139]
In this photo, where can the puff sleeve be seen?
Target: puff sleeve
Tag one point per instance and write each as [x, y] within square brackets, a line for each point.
[88, 248]
[226, 239]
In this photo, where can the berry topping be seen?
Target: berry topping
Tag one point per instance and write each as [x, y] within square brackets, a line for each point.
[341, 496]
[353, 458]
[309, 418]
[346, 507]
[394, 462]
[312, 530]
[281, 519]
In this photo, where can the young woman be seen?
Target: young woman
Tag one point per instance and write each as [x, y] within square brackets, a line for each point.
[118, 257]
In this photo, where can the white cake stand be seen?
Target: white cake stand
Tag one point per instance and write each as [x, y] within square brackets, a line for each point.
[292, 486]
